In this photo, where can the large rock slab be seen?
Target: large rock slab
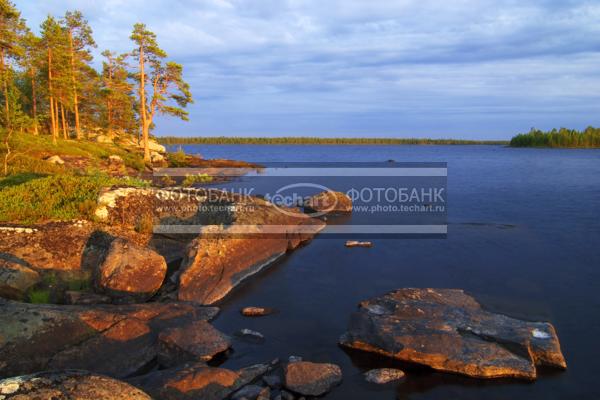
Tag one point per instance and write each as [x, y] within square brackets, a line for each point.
[131, 270]
[196, 341]
[448, 330]
[197, 381]
[16, 279]
[70, 384]
[114, 340]
[221, 258]
[329, 202]
[312, 379]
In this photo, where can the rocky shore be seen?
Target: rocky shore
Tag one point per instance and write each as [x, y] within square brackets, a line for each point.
[129, 297]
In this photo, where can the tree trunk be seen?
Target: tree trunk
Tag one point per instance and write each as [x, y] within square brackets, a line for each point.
[34, 105]
[145, 125]
[64, 122]
[52, 120]
[4, 76]
[74, 86]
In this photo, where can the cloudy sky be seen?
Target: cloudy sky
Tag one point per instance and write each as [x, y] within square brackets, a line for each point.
[394, 68]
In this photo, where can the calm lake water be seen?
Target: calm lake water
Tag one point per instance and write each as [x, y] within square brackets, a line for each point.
[523, 239]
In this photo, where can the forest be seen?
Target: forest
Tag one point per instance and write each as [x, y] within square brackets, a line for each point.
[171, 140]
[49, 86]
[589, 138]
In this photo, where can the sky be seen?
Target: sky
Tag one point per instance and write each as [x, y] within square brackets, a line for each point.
[472, 69]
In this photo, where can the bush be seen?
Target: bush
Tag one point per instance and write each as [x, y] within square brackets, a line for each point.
[194, 179]
[177, 159]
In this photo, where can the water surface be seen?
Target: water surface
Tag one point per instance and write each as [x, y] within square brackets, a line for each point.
[523, 239]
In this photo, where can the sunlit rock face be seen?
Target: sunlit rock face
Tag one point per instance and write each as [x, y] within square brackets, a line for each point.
[448, 330]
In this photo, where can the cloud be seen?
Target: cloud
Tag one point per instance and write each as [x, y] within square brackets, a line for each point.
[386, 68]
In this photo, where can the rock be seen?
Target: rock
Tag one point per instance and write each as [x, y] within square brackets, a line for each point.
[196, 341]
[153, 145]
[115, 159]
[69, 384]
[329, 202]
[116, 340]
[219, 260]
[355, 243]
[55, 160]
[448, 330]
[383, 375]
[265, 394]
[85, 298]
[57, 246]
[15, 279]
[273, 381]
[197, 381]
[103, 139]
[294, 359]
[131, 270]
[156, 157]
[286, 395]
[312, 379]
[256, 311]
[250, 335]
[249, 392]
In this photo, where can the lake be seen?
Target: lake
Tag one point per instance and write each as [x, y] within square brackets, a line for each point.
[523, 239]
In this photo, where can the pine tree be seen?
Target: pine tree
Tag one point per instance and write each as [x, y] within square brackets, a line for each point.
[12, 28]
[54, 41]
[166, 80]
[119, 114]
[80, 40]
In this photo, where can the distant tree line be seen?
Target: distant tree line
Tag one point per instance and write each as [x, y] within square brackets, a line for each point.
[48, 85]
[589, 138]
[170, 140]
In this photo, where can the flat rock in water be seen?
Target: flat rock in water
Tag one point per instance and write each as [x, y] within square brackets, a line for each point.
[69, 384]
[257, 311]
[383, 375]
[249, 334]
[197, 381]
[107, 339]
[312, 379]
[448, 330]
[196, 341]
[329, 202]
[216, 262]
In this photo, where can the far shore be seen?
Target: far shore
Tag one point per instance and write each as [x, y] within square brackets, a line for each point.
[307, 140]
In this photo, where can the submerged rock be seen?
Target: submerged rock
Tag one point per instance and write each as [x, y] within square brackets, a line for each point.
[106, 339]
[312, 379]
[383, 375]
[197, 381]
[329, 202]
[16, 279]
[131, 270]
[249, 334]
[196, 341]
[69, 384]
[448, 330]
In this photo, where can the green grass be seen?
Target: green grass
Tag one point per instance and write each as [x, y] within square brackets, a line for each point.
[31, 149]
[54, 197]
[39, 296]
[170, 140]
